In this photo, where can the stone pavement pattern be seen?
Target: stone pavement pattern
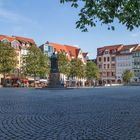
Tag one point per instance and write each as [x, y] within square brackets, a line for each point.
[79, 114]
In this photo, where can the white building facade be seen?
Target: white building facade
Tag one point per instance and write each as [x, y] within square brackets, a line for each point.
[124, 61]
[136, 63]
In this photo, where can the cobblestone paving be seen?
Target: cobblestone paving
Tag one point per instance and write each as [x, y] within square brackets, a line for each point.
[79, 114]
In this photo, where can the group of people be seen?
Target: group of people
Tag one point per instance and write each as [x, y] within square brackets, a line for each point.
[15, 82]
[80, 84]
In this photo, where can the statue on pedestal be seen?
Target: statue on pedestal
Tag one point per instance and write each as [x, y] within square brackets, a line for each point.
[54, 64]
[54, 78]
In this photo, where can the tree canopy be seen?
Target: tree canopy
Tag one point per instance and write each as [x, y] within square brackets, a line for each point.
[8, 58]
[77, 68]
[63, 63]
[92, 71]
[35, 63]
[127, 76]
[127, 12]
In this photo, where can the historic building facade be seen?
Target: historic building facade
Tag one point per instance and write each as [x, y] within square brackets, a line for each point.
[114, 60]
[106, 61]
[20, 44]
[136, 63]
[124, 61]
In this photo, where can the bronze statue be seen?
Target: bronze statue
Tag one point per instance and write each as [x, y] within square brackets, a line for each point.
[54, 64]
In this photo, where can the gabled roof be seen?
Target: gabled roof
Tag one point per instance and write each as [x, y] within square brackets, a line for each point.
[59, 48]
[10, 39]
[128, 47]
[137, 48]
[109, 48]
[23, 39]
[73, 51]
[2, 37]
[113, 46]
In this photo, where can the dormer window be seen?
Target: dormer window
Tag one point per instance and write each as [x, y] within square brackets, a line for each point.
[106, 52]
[100, 52]
[5, 41]
[114, 51]
[14, 45]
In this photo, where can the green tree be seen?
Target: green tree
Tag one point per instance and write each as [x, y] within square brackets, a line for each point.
[80, 69]
[92, 71]
[127, 76]
[63, 63]
[7, 59]
[35, 63]
[44, 68]
[77, 68]
[126, 12]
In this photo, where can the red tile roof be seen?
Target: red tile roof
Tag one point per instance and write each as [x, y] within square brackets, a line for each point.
[23, 39]
[128, 47]
[58, 47]
[71, 51]
[137, 48]
[110, 48]
[10, 39]
[1, 37]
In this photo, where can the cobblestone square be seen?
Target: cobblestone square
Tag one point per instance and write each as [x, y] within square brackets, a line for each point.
[78, 114]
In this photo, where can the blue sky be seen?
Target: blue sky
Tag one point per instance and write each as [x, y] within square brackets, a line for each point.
[48, 20]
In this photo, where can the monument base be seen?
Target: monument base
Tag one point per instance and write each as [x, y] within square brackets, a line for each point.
[54, 81]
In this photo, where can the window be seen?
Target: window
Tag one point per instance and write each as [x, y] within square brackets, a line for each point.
[14, 45]
[112, 65]
[104, 59]
[49, 49]
[108, 66]
[108, 73]
[108, 59]
[113, 59]
[114, 51]
[113, 74]
[104, 66]
[100, 59]
[99, 52]
[106, 52]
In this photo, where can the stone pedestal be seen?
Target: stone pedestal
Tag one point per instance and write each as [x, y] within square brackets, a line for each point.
[54, 81]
